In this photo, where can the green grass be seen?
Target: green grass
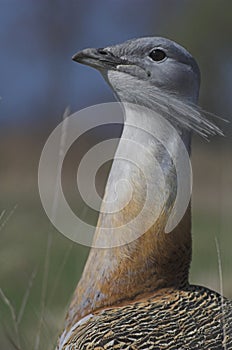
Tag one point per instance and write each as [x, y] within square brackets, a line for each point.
[24, 236]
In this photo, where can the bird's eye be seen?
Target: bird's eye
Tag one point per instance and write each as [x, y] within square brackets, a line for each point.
[102, 51]
[157, 55]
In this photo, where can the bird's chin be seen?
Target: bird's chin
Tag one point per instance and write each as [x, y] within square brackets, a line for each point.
[123, 82]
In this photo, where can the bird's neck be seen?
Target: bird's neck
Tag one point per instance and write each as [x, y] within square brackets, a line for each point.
[155, 259]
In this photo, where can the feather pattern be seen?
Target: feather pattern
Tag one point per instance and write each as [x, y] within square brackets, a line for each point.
[192, 318]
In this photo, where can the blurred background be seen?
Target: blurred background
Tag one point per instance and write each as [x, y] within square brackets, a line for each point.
[39, 268]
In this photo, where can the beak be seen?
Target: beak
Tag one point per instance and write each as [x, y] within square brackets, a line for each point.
[98, 58]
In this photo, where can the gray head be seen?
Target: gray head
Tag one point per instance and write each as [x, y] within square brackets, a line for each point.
[156, 73]
[145, 63]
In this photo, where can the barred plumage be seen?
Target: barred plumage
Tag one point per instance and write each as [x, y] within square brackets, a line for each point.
[194, 318]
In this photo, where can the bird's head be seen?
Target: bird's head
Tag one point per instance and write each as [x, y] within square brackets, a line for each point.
[137, 68]
[156, 73]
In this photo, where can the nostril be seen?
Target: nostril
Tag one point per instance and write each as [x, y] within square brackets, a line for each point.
[102, 51]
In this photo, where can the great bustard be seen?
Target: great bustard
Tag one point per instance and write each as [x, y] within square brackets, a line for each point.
[137, 296]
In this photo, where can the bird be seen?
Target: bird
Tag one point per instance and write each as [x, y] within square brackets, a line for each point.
[137, 295]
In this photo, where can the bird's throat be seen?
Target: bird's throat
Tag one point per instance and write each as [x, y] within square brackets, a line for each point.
[143, 258]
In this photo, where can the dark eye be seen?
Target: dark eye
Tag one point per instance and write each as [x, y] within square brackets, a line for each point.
[157, 55]
[102, 51]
